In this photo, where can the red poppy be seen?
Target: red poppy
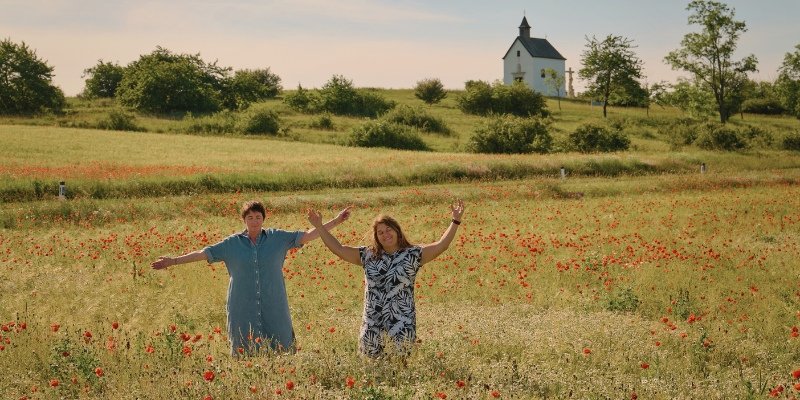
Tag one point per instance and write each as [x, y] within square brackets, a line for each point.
[587, 351]
[115, 325]
[253, 389]
[99, 372]
[495, 394]
[187, 351]
[208, 376]
[441, 395]
[209, 358]
[460, 383]
[350, 382]
[54, 327]
[53, 382]
[289, 385]
[149, 349]
[645, 365]
[332, 329]
[796, 374]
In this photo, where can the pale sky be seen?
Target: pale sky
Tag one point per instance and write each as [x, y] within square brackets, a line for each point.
[378, 43]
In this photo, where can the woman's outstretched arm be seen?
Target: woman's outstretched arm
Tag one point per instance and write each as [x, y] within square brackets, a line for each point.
[165, 261]
[347, 253]
[314, 233]
[431, 251]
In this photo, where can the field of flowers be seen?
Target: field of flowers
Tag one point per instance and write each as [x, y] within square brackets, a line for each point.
[653, 287]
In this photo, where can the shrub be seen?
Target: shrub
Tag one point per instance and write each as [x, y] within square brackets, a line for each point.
[791, 141]
[416, 117]
[592, 137]
[371, 104]
[512, 135]
[119, 120]
[757, 136]
[721, 137]
[26, 82]
[431, 91]
[386, 134]
[339, 97]
[763, 106]
[324, 121]
[480, 98]
[250, 86]
[680, 132]
[302, 100]
[218, 123]
[258, 122]
[102, 80]
[623, 301]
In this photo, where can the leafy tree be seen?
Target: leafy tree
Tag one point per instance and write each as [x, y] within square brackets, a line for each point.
[431, 91]
[610, 65]
[250, 86]
[656, 94]
[707, 54]
[555, 82]
[163, 82]
[26, 85]
[788, 83]
[102, 80]
[696, 100]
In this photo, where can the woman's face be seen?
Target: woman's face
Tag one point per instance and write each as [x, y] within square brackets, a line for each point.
[253, 220]
[387, 236]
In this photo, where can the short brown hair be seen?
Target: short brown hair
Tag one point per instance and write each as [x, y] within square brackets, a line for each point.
[251, 206]
[402, 241]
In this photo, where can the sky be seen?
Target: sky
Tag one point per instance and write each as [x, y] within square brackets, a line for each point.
[377, 43]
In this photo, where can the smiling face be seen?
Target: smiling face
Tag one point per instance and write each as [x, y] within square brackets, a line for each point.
[386, 236]
[253, 220]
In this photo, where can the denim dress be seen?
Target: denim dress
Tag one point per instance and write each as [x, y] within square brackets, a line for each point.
[258, 309]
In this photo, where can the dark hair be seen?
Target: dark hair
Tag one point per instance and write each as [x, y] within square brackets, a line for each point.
[402, 241]
[253, 206]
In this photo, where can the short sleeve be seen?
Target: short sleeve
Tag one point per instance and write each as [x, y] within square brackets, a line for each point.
[219, 251]
[416, 254]
[291, 239]
[364, 253]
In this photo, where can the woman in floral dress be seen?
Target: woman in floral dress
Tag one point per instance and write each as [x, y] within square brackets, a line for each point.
[390, 266]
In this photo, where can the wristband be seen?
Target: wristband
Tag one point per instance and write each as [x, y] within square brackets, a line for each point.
[456, 221]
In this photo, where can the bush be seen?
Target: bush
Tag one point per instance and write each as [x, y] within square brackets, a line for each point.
[219, 123]
[480, 98]
[119, 120]
[259, 122]
[431, 91]
[371, 104]
[102, 80]
[302, 100]
[757, 136]
[680, 132]
[763, 106]
[416, 117]
[324, 121]
[339, 97]
[250, 86]
[592, 137]
[791, 141]
[512, 135]
[386, 134]
[720, 137]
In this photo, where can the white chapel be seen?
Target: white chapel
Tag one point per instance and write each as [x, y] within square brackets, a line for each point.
[527, 60]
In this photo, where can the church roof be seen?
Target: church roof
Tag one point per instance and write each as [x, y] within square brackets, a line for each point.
[524, 23]
[537, 47]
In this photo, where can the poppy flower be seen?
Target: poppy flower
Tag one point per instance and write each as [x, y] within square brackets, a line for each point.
[350, 382]
[441, 395]
[208, 376]
[115, 325]
[796, 374]
[99, 372]
[289, 385]
[587, 351]
[460, 383]
[495, 394]
[54, 382]
[54, 327]
[645, 365]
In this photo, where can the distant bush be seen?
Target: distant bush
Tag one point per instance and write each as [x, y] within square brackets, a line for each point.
[623, 301]
[757, 136]
[512, 135]
[249, 86]
[763, 106]
[592, 137]
[258, 122]
[323, 121]
[302, 100]
[480, 98]
[386, 134]
[721, 137]
[339, 97]
[791, 141]
[418, 118]
[431, 91]
[216, 124]
[102, 80]
[119, 120]
[26, 82]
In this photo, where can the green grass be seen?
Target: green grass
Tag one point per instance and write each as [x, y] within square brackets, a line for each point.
[525, 290]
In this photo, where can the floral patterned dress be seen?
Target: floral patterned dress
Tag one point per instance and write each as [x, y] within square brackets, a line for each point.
[389, 300]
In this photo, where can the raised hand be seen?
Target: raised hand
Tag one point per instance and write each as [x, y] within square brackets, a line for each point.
[315, 217]
[344, 214]
[458, 209]
[161, 263]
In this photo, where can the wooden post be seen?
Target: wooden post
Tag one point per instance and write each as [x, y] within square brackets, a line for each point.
[563, 173]
[703, 168]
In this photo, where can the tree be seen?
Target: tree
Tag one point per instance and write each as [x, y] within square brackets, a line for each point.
[655, 94]
[555, 82]
[707, 54]
[431, 91]
[26, 85]
[610, 65]
[163, 82]
[788, 83]
[250, 86]
[102, 80]
[691, 98]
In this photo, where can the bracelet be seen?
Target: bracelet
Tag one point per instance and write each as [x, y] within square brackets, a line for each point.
[457, 222]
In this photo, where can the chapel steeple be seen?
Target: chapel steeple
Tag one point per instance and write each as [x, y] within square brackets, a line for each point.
[524, 28]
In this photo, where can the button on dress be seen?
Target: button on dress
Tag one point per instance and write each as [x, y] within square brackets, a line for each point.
[257, 303]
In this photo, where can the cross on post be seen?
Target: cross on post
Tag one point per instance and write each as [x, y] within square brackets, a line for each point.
[571, 91]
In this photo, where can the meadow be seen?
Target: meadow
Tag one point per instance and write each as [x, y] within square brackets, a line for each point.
[634, 277]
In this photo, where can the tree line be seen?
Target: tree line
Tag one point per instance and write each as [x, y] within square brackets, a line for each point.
[163, 82]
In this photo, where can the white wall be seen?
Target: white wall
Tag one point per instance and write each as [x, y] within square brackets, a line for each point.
[532, 68]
